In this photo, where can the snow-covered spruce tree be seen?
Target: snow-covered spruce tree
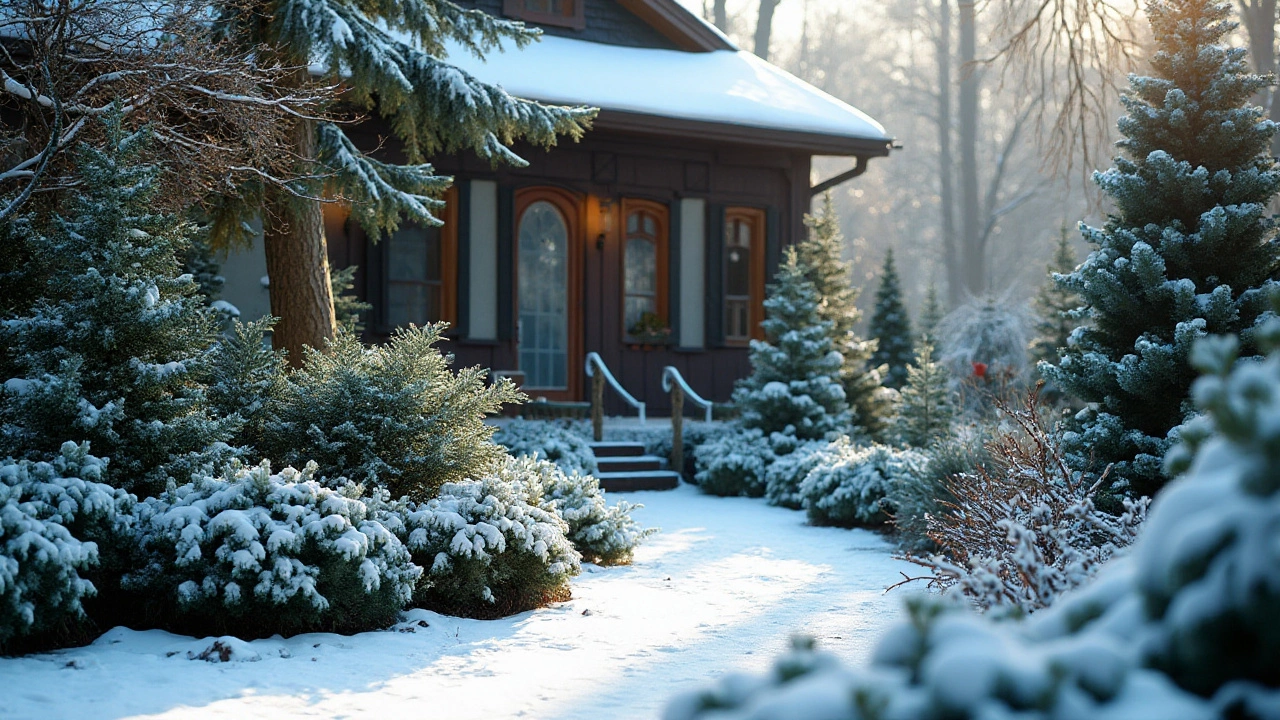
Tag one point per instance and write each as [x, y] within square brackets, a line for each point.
[891, 327]
[795, 371]
[112, 350]
[820, 256]
[393, 416]
[1187, 251]
[1183, 628]
[1055, 304]
[926, 407]
[390, 59]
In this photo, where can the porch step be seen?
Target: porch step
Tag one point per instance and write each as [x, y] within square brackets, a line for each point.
[617, 449]
[638, 480]
[628, 463]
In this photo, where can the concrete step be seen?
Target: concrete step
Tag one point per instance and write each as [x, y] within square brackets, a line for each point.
[638, 480]
[617, 449]
[629, 463]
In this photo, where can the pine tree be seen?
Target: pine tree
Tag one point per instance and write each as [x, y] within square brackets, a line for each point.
[390, 59]
[925, 408]
[930, 316]
[820, 257]
[347, 308]
[112, 349]
[1189, 249]
[795, 375]
[891, 327]
[1054, 305]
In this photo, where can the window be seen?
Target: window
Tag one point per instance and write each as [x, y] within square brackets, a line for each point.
[644, 267]
[421, 270]
[564, 13]
[548, 291]
[743, 274]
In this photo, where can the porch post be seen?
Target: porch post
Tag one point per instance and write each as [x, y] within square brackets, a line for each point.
[677, 428]
[597, 405]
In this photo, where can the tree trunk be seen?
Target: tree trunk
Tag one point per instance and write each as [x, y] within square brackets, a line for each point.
[764, 27]
[972, 259]
[720, 15]
[946, 164]
[1259, 18]
[298, 264]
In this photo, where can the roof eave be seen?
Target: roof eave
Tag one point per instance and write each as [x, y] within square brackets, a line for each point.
[812, 143]
[678, 25]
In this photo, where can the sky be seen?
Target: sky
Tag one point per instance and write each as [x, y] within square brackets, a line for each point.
[787, 19]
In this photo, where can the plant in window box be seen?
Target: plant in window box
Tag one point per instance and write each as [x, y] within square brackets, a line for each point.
[649, 331]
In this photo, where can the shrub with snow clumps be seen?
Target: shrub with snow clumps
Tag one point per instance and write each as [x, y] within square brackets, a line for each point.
[50, 515]
[791, 462]
[854, 488]
[552, 441]
[491, 545]
[733, 463]
[602, 534]
[257, 553]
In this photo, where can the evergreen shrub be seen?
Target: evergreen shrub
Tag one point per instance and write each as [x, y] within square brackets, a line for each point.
[733, 463]
[961, 452]
[554, 441]
[492, 546]
[790, 463]
[855, 488]
[601, 534]
[891, 328]
[252, 553]
[53, 518]
[392, 416]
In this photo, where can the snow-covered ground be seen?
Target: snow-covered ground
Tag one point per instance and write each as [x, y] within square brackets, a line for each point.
[720, 589]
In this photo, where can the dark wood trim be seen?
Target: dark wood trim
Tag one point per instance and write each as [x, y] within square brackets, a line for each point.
[576, 19]
[462, 326]
[662, 215]
[814, 143]
[449, 260]
[678, 25]
[572, 208]
[772, 242]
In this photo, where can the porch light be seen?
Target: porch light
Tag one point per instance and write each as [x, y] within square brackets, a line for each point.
[606, 221]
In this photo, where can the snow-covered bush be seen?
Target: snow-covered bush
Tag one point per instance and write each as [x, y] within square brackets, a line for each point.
[854, 487]
[926, 404]
[796, 370]
[393, 416]
[53, 515]
[983, 344]
[790, 464]
[601, 534]
[246, 380]
[733, 463]
[557, 442]
[1022, 529]
[491, 546]
[1182, 628]
[256, 553]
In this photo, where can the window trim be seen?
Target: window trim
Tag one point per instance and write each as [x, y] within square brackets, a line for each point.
[755, 304]
[577, 20]
[662, 214]
[448, 269]
[571, 207]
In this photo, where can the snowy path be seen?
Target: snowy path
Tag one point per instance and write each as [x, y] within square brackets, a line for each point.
[720, 589]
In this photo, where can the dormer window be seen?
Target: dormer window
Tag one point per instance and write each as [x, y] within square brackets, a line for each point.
[564, 13]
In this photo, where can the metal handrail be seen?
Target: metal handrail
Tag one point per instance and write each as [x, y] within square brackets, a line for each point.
[670, 373]
[613, 382]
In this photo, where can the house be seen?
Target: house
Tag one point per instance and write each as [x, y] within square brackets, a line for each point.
[649, 242]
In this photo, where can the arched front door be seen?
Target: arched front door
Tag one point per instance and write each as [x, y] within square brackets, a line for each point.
[548, 292]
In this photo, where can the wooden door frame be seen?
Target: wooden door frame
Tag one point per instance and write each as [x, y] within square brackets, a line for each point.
[662, 293]
[571, 206]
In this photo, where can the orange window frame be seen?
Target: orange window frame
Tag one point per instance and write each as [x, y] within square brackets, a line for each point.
[571, 207]
[573, 18]
[755, 219]
[662, 216]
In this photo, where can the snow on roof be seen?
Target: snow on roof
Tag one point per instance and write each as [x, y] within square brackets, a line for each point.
[723, 86]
